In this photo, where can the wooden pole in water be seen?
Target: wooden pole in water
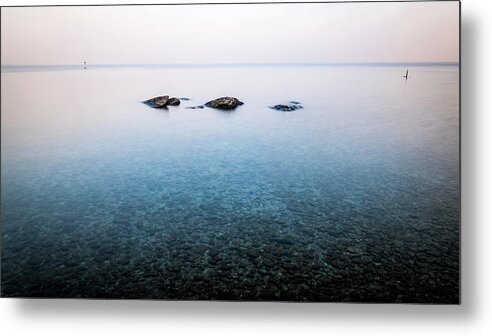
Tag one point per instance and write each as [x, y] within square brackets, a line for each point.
[406, 75]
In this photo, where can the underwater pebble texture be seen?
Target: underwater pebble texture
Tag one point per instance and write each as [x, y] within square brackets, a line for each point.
[354, 198]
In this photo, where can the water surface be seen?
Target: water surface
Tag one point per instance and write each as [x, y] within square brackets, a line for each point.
[355, 197]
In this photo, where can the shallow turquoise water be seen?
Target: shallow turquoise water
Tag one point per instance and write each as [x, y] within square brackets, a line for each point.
[353, 198]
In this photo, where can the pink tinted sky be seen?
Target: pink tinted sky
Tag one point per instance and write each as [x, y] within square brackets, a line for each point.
[281, 33]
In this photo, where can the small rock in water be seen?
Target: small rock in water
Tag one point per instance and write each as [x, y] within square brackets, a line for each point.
[195, 107]
[287, 107]
[253, 253]
[173, 101]
[157, 102]
[289, 266]
[210, 273]
[353, 249]
[226, 267]
[421, 227]
[184, 98]
[224, 103]
[201, 248]
[162, 102]
[278, 251]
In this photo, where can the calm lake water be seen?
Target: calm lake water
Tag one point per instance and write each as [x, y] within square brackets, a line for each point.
[355, 197]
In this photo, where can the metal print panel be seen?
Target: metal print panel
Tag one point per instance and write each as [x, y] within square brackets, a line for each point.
[258, 152]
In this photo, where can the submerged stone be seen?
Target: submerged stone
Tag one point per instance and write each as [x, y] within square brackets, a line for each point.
[224, 103]
[287, 107]
[353, 249]
[253, 253]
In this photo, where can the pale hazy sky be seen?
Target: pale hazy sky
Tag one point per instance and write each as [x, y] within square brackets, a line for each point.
[295, 33]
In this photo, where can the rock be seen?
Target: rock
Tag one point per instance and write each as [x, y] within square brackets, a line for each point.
[70, 263]
[201, 248]
[195, 107]
[253, 253]
[226, 267]
[157, 102]
[162, 102]
[287, 240]
[353, 249]
[289, 266]
[287, 107]
[268, 262]
[210, 273]
[278, 251]
[184, 98]
[224, 103]
[173, 101]
[213, 252]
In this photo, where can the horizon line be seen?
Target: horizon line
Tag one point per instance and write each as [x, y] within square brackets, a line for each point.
[239, 64]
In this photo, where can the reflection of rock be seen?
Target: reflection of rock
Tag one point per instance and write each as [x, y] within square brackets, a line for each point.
[224, 103]
[292, 106]
[157, 102]
[195, 107]
[173, 101]
[162, 102]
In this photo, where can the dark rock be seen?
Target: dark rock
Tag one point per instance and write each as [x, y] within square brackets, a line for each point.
[173, 101]
[210, 273]
[184, 98]
[70, 263]
[287, 240]
[195, 107]
[253, 253]
[201, 248]
[295, 102]
[353, 249]
[151, 274]
[421, 227]
[224, 103]
[157, 102]
[278, 251]
[286, 108]
[213, 252]
[226, 266]
[162, 102]
[268, 262]
[289, 266]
